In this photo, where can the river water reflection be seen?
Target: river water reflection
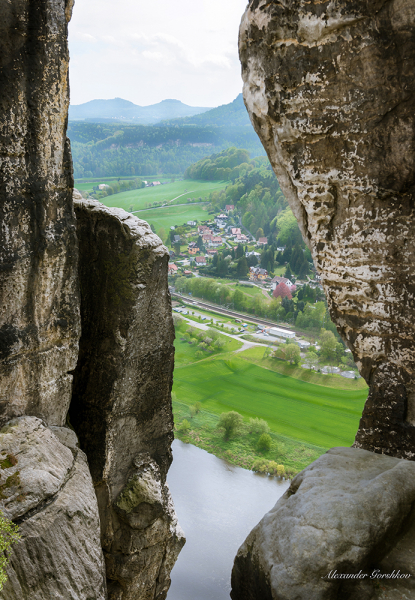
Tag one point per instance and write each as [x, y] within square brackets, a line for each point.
[217, 505]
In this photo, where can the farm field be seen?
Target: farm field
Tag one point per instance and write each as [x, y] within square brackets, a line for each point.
[173, 215]
[314, 414]
[256, 356]
[138, 199]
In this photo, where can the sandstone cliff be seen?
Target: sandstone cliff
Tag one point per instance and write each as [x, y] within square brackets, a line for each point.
[121, 406]
[39, 296]
[102, 510]
[329, 88]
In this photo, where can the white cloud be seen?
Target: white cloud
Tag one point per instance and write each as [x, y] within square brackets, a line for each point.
[146, 52]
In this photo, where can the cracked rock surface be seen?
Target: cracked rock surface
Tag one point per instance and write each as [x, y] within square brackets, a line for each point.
[46, 488]
[346, 512]
[39, 296]
[121, 405]
[330, 90]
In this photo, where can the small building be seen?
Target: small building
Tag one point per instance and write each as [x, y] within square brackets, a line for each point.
[206, 237]
[252, 253]
[202, 228]
[283, 333]
[172, 269]
[176, 239]
[212, 252]
[191, 223]
[192, 250]
[236, 231]
[103, 186]
[257, 274]
[187, 273]
[155, 183]
[215, 242]
[262, 241]
[229, 208]
[277, 280]
[200, 261]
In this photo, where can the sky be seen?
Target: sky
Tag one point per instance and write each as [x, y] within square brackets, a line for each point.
[146, 51]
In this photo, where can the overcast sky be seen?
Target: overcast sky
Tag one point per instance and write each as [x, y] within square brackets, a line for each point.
[149, 50]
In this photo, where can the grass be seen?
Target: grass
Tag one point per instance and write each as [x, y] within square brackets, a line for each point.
[185, 352]
[138, 199]
[173, 215]
[241, 450]
[300, 410]
[255, 355]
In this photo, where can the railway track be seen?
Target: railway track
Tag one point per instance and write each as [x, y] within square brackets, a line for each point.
[231, 313]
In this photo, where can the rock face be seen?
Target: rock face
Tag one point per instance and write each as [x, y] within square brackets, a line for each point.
[121, 403]
[39, 322]
[326, 523]
[330, 90]
[46, 488]
[121, 406]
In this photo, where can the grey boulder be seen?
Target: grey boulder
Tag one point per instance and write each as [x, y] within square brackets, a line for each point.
[343, 514]
[46, 488]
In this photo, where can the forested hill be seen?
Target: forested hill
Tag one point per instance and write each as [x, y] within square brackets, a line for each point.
[227, 115]
[106, 150]
[125, 111]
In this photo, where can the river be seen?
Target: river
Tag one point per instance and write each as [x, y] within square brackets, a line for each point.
[217, 505]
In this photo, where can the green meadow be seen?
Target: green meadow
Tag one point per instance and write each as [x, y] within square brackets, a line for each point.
[311, 413]
[173, 215]
[174, 193]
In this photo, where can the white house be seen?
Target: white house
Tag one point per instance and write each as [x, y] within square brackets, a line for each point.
[283, 333]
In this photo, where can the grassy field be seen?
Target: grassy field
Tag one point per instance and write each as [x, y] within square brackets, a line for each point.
[241, 450]
[297, 409]
[256, 356]
[173, 215]
[185, 352]
[178, 192]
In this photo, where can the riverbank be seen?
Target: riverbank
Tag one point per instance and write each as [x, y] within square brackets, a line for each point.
[242, 449]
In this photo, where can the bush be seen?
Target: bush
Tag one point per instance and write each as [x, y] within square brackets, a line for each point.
[199, 354]
[264, 442]
[8, 535]
[184, 426]
[231, 422]
[198, 407]
[192, 411]
[177, 321]
[258, 426]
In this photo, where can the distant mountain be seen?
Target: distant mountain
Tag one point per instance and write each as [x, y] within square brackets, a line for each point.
[119, 110]
[228, 115]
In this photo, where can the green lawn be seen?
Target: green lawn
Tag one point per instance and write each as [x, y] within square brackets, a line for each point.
[304, 411]
[173, 215]
[181, 190]
[256, 356]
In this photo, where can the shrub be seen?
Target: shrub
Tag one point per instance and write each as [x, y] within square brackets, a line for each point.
[264, 442]
[258, 426]
[177, 321]
[199, 354]
[192, 411]
[184, 426]
[198, 407]
[231, 422]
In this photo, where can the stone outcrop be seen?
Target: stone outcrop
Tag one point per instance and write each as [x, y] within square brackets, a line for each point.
[46, 488]
[74, 507]
[330, 90]
[342, 514]
[121, 406]
[39, 298]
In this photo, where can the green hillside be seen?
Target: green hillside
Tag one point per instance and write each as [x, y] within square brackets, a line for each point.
[296, 409]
